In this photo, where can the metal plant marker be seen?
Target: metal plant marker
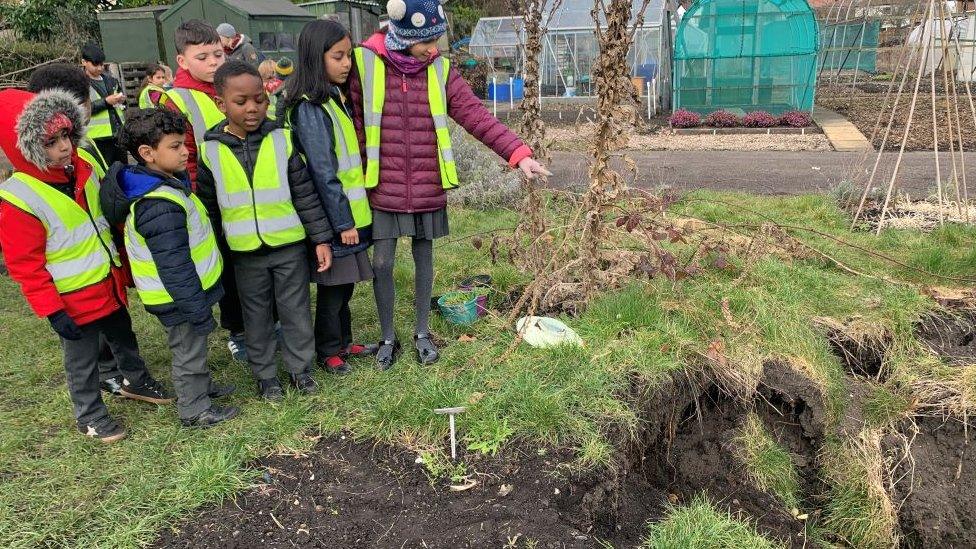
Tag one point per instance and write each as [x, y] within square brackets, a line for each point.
[451, 412]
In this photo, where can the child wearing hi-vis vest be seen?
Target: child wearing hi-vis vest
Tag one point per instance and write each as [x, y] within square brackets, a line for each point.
[322, 130]
[199, 54]
[172, 253]
[402, 92]
[59, 250]
[257, 189]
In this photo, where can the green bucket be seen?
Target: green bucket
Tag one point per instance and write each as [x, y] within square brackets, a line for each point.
[463, 313]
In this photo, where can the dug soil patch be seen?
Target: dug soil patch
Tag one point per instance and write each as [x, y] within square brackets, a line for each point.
[936, 484]
[347, 494]
[688, 448]
[951, 335]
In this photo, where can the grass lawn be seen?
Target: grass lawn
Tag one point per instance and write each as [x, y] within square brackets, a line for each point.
[61, 489]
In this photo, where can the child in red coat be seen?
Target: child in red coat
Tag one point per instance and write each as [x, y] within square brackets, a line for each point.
[59, 249]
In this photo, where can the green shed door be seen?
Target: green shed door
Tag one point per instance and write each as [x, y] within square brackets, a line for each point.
[130, 38]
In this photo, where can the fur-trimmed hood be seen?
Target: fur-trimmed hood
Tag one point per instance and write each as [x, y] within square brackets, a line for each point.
[23, 116]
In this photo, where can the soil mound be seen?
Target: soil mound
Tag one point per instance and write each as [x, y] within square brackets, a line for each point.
[936, 484]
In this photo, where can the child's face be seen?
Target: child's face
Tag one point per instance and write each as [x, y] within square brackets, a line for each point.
[169, 156]
[244, 101]
[338, 61]
[201, 60]
[91, 69]
[424, 50]
[158, 78]
[59, 148]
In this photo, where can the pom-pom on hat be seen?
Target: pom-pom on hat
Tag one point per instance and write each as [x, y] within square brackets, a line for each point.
[284, 67]
[414, 21]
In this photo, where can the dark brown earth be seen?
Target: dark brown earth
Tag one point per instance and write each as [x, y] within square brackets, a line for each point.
[936, 484]
[348, 494]
[869, 102]
[951, 335]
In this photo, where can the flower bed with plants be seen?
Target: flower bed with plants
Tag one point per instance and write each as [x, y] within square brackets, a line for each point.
[683, 119]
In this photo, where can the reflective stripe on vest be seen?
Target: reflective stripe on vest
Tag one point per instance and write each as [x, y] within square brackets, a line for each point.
[100, 125]
[90, 153]
[350, 163]
[79, 251]
[258, 210]
[145, 102]
[203, 248]
[372, 73]
[199, 109]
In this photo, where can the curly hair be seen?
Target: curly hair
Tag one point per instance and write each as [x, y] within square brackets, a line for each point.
[229, 70]
[147, 127]
[67, 76]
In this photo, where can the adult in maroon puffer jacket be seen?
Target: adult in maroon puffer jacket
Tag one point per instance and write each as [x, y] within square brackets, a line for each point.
[409, 199]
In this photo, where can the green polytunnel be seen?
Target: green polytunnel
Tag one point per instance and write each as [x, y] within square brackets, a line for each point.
[746, 55]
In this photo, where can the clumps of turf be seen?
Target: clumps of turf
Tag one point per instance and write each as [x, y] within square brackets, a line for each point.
[700, 524]
[768, 463]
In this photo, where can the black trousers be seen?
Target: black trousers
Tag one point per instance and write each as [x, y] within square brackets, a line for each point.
[231, 315]
[81, 363]
[333, 321]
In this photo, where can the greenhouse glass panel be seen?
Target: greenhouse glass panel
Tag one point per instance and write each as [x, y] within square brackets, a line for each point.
[744, 55]
[850, 45]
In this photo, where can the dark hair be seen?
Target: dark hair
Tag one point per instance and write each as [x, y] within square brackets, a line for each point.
[147, 127]
[65, 76]
[309, 76]
[150, 71]
[93, 53]
[194, 32]
[230, 69]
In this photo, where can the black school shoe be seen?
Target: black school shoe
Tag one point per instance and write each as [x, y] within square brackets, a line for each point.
[150, 391]
[427, 352]
[387, 354]
[270, 389]
[212, 416]
[106, 430]
[305, 383]
[113, 385]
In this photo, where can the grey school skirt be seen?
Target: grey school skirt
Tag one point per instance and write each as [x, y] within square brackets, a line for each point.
[348, 269]
[421, 226]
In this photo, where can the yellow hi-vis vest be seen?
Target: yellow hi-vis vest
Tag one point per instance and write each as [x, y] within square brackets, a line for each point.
[79, 249]
[259, 210]
[372, 73]
[199, 109]
[350, 163]
[90, 153]
[145, 102]
[203, 247]
[100, 125]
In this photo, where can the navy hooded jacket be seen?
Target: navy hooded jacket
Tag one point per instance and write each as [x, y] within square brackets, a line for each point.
[163, 225]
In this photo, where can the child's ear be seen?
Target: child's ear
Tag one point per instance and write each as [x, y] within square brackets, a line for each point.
[181, 61]
[220, 104]
[146, 152]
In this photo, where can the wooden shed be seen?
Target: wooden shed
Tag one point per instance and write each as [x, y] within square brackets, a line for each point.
[143, 35]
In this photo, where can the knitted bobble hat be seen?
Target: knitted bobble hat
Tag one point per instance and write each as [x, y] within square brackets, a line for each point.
[413, 22]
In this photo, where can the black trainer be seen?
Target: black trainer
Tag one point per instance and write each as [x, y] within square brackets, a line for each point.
[213, 416]
[305, 383]
[113, 385]
[106, 430]
[150, 391]
[220, 391]
[427, 352]
[270, 389]
[387, 354]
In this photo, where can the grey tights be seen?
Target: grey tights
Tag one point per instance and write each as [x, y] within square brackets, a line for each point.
[384, 256]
